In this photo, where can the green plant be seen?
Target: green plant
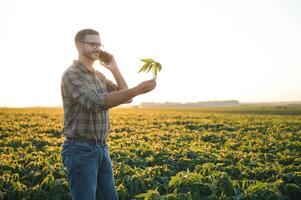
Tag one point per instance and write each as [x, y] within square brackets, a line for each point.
[150, 64]
[167, 154]
[149, 195]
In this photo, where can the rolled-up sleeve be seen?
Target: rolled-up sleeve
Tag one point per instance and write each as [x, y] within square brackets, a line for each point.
[78, 90]
[111, 86]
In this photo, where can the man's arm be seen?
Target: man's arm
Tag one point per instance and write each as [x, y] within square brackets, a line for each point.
[73, 87]
[119, 79]
[122, 85]
[112, 66]
[120, 82]
[116, 98]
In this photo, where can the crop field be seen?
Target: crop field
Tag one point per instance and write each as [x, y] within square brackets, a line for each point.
[232, 153]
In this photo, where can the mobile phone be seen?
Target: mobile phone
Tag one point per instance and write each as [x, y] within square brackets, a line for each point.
[105, 57]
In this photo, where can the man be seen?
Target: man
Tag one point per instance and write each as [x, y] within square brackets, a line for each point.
[87, 96]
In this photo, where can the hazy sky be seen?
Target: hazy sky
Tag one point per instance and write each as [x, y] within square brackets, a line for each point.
[210, 50]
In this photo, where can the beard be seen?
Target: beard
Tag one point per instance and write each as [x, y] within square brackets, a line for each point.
[91, 55]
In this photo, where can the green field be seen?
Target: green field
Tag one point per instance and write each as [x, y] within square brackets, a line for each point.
[246, 152]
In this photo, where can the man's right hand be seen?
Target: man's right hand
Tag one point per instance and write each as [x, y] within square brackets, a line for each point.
[146, 86]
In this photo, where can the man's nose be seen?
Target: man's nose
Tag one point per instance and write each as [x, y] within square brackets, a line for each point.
[96, 46]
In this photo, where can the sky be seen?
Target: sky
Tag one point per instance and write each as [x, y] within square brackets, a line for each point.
[209, 50]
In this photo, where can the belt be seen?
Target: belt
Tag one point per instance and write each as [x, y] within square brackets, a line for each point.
[87, 141]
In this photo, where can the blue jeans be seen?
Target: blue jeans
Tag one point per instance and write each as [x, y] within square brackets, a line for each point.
[89, 171]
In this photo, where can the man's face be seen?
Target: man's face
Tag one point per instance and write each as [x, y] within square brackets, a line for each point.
[90, 46]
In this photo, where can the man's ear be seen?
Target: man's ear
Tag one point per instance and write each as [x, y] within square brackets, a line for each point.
[78, 46]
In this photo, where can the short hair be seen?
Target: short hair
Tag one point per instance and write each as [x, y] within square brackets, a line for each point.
[82, 33]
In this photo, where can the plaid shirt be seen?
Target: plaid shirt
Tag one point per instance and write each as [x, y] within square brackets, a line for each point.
[83, 93]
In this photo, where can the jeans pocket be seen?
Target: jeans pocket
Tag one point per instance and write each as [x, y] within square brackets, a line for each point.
[85, 151]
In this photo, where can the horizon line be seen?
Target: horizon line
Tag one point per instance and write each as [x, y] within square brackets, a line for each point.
[129, 105]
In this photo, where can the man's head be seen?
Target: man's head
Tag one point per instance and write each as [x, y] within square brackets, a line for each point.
[87, 42]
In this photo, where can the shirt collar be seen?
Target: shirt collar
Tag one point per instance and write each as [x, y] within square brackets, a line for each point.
[82, 67]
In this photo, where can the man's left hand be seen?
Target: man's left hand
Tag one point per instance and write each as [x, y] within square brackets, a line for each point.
[112, 66]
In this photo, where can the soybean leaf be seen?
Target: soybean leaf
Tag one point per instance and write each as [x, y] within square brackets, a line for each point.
[159, 66]
[150, 64]
[150, 67]
[147, 60]
[144, 67]
[155, 71]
